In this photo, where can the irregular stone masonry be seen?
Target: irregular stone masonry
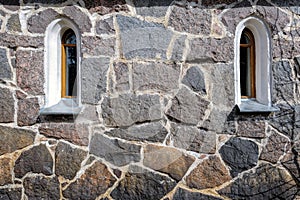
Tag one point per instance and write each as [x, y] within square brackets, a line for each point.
[158, 117]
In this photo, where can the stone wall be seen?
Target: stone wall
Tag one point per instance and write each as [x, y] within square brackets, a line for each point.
[159, 119]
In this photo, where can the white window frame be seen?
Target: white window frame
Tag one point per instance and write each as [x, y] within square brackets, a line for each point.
[54, 103]
[263, 58]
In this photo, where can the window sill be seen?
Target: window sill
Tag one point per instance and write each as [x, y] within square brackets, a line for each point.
[64, 107]
[252, 106]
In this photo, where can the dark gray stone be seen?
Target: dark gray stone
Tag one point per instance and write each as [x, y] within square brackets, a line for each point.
[94, 182]
[210, 50]
[122, 76]
[216, 2]
[194, 20]
[178, 48]
[98, 46]
[152, 132]
[152, 7]
[193, 139]
[187, 107]
[36, 160]
[105, 26]
[182, 194]
[155, 76]
[81, 19]
[68, 160]
[267, 182]
[94, 77]
[114, 151]
[13, 23]
[239, 154]
[41, 187]
[10, 193]
[12, 139]
[194, 79]
[39, 22]
[128, 109]
[5, 69]
[282, 72]
[142, 39]
[28, 111]
[7, 107]
[140, 183]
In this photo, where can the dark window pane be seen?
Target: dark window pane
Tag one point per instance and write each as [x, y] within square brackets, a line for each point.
[71, 71]
[69, 37]
[245, 72]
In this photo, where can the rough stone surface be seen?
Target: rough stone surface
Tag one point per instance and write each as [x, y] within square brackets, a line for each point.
[13, 41]
[152, 132]
[187, 107]
[94, 77]
[182, 194]
[208, 174]
[152, 8]
[13, 23]
[5, 69]
[105, 26]
[178, 48]
[239, 154]
[121, 71]
[40, 187]
[276, 146]
[142, 39]
[10, 193]
[195, 21]
[39, 22]
[251, 129]
[81, 19]
[194, 79]
[210, 50]
[140, 183]
[5, 171]
[29, 69]
[28, 111]
[167, 160]
[215, 2]
[106, 7]
[128, 109]
[12, 139]
[68, 160]
[36, 160]
[94, 182]
[155, 76]
[267, 182]
[291, 162]
[115, 151]
[193, 139]
[74, 133]
[7, 107]
[98, 46]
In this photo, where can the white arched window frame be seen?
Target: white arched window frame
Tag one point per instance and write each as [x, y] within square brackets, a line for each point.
[54, 103]
[263, 57]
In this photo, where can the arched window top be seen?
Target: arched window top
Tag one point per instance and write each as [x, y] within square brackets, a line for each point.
[69, 37]
[247, 37]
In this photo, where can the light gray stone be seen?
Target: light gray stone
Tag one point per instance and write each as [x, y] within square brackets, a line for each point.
[128, 109]
[187, 107]
[122, 76]
[178, 48]
[5, 69]
[155, 76]
[105, 26]
[142, 39]
[94, 77]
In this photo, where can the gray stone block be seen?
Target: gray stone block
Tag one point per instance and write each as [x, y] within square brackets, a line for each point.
[194, 79]
[7, 105]
[5, 69]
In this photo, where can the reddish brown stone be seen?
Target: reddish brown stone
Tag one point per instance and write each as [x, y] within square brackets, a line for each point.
[208, 174]
[28, 111]
[30, 71]
[5, 171]
[94, 182]
[167, 160]
[252, 129]
[74, 133]
[277, 145]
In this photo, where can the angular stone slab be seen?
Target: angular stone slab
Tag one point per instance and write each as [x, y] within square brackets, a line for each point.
[98, 46]
[7, 106]
[105, 26]
[152, 8]
[182, 194]
[79, 17]
[267, 182]
[106, 7]
[155, 76]
[36, 160]
[167, 160]
[115, 151]
[5, 69]
[128, 109]
[187, 107]
[140, 183]
[13, 23]
[10, 193]
[68, 160]
[121, 71]
[6, 169]
[251, 129]
[14, 41]
[194, 79]
[291, 161]
[208, 174]
[142, 39]
[239, 154]
[39, 22]
[28, 111]
[12, 139]
[91, 184]
[41, 187]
